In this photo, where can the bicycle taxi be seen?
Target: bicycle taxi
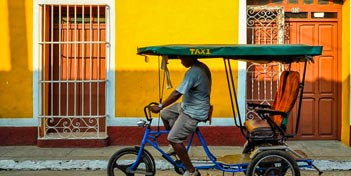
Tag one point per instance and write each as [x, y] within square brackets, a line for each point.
[265, 152]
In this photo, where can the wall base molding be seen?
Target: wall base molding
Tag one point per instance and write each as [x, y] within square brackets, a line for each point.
[117, 135]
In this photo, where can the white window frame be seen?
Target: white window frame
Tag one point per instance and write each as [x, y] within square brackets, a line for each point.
[110, 63]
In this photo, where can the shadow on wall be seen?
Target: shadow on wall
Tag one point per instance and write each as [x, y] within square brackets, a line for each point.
[320, 116]
[16, 84]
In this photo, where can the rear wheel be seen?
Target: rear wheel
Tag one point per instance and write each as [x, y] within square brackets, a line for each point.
[120, 162]
[272, 163]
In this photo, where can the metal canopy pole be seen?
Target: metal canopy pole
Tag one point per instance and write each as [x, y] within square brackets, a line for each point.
[302, 85]
[231, 88]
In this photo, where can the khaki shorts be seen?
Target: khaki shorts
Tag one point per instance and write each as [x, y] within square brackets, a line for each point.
[181, 124]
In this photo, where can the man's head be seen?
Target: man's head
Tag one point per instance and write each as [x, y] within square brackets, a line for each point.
[188, 61]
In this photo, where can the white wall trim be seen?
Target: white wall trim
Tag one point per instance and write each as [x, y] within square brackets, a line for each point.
[242, 22]
[18, 122]
[110, 68]
[114, 121]
[36, 67]
[242, 65]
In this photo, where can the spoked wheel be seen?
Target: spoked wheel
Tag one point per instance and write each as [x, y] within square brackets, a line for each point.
[273, 163]
[120, 163]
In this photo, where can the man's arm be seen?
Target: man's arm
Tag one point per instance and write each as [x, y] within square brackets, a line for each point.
[174, 96]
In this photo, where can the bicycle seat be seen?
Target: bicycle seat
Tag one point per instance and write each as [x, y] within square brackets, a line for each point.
[272, 120]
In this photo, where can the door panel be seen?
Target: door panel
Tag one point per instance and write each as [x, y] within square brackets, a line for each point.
[327, 81]
[306, 34]
[325, 122]
[308, 110]
[327, 33]
[319, 113]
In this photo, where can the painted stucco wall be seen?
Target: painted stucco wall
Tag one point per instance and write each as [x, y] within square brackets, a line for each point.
[138, 23]
[16, 58]
[345, 97]
[142, 23]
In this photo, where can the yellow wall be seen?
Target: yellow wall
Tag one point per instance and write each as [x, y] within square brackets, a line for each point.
[142, 23]
[345, 100]
[138, 23]
[16, 58]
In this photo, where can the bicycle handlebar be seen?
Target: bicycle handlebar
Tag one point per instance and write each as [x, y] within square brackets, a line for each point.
[147, 111]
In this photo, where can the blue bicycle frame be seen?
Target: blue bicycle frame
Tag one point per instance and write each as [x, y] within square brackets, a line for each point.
[150, 137]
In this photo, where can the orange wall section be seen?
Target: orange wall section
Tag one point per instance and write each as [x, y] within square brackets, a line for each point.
[16, 58]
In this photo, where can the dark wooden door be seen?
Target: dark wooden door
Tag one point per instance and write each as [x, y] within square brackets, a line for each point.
[320, 105]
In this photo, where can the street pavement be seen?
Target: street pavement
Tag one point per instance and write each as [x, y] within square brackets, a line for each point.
[159, 173]
[332, 157]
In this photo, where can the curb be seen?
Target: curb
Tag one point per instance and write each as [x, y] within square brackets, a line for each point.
[34, 165]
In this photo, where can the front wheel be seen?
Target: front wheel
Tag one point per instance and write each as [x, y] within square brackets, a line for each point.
[121, 161]
[272, 163]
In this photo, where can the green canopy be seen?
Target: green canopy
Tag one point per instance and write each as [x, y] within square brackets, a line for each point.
[259, 53]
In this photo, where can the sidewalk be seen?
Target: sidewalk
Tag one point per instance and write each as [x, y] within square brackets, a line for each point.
[328, 155]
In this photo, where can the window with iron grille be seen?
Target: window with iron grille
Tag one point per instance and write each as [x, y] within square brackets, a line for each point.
[265, 25]
[73, 55]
